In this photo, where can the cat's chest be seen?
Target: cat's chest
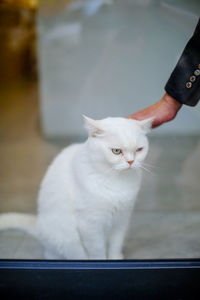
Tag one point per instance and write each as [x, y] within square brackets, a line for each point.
[111, 191]
[117, 184]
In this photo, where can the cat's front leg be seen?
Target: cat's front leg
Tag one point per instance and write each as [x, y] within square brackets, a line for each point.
[117, 236]
[94, 242]
[49, 254]
[115, 248]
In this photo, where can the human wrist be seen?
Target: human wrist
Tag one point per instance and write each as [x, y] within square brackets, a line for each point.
[171, 102]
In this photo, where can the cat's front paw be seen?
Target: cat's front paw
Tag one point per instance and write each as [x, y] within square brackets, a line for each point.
[118, 256]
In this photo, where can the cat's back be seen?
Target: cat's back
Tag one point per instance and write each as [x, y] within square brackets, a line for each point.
[62, 162]
[58, 176]
[55, 199]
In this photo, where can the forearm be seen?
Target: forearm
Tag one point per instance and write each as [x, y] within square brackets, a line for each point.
[172, 103]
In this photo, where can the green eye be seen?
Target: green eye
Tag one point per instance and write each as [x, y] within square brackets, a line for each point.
[117, 151]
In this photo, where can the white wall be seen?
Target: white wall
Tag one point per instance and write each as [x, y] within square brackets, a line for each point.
[111, 58]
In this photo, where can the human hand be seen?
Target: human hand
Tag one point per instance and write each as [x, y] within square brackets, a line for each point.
[164, 110]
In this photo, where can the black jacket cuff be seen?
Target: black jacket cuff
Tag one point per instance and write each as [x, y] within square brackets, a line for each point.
[184, 82]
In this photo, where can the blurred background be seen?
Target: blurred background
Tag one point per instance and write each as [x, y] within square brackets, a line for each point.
[60, 59]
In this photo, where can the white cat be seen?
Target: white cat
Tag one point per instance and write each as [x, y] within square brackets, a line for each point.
[88, 193]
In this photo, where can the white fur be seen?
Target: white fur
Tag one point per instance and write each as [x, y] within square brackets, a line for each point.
[87, 195]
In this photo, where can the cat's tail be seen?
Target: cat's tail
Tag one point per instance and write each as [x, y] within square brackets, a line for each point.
[25, 222]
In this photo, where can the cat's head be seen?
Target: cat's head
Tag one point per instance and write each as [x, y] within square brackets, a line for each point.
[118, 143]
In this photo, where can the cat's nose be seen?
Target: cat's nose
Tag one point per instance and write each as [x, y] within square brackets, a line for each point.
[130, 162]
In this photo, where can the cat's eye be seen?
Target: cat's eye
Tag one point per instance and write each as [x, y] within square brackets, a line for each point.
[139, 149]
[116, 151]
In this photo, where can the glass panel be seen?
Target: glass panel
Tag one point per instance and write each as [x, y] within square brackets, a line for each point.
[99, 58]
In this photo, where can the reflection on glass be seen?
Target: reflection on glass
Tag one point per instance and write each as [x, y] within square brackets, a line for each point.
[101, 59]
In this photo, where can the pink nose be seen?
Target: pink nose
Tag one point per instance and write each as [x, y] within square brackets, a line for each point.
[130, 162]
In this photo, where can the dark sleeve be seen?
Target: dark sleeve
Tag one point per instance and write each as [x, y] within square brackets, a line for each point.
[184, 82]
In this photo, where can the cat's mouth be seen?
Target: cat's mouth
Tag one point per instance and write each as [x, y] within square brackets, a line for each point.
[124, 168]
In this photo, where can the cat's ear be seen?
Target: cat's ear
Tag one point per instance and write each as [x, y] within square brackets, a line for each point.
[146, 124]
[93, 127]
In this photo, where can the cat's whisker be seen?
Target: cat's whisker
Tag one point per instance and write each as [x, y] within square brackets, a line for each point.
[147, 170]
[149, 165]
[144, 163]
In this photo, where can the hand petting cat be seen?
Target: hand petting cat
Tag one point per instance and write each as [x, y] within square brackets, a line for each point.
[163, 111]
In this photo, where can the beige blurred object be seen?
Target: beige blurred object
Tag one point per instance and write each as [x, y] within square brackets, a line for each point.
[18, 39]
